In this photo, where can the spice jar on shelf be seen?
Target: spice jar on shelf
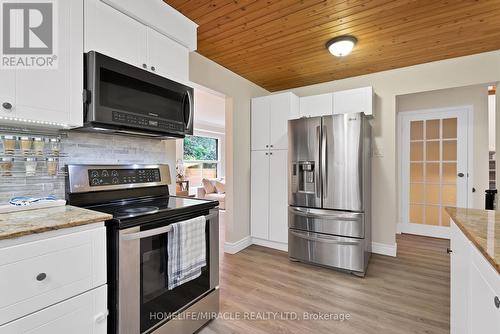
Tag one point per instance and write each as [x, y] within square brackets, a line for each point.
[9, 144]
[30, 166]
[6, 164]
[26, 144]
[55, 146]
[52, 166]
[39, 145]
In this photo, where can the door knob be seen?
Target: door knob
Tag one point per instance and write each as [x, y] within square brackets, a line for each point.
[7, 105]
[40, 277]
[461, 174]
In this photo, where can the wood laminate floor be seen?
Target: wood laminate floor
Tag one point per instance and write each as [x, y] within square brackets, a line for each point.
[403, 295]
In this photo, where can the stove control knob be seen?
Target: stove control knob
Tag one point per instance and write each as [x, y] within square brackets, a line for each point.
[115, 180]
[95, 181]
[94, 173]
[114, 173]
[105, 173]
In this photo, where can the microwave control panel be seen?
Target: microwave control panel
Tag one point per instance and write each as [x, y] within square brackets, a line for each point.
[106, 177]
[142, 121]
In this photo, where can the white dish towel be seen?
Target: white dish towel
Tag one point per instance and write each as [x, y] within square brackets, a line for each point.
[186, 251]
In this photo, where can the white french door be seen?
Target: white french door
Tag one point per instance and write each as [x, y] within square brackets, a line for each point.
[434, 153]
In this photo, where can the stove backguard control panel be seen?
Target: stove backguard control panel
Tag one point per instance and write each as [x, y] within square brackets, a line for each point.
[105, 177]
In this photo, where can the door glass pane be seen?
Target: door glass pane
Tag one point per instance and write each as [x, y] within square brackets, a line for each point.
[449, 172]
[416, 214]
[432, 193]
[450, 150]
[432, 172]
[417, 130]
[417, 193]
[449, 194]
[416, 172]
[450, 128]
[432, 151]
[432, 181]
[417, 151]
[432, 129]
[445, 218]
[432, 214]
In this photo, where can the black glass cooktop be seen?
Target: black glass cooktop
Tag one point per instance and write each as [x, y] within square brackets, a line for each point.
[128, 209]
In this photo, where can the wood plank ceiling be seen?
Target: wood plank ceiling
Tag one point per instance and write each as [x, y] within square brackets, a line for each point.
[281, 44]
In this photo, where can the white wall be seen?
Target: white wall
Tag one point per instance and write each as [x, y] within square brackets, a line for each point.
[456, 72]
[477, 97]
[238, 92]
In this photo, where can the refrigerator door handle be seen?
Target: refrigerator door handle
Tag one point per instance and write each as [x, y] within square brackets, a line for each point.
[317, 171]
[324, 161]
[325, 239]
[339, 216]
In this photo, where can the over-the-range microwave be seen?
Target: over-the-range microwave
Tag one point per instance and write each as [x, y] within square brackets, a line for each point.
[125, 99]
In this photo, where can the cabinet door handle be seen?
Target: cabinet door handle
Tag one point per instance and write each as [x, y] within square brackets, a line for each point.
[497, 302]
[144, 66]
[7, 105]
[40, 277]
[449, 251]
[153, 68]
[101, 316]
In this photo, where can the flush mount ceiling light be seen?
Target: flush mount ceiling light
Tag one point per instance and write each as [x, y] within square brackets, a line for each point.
[341, 46]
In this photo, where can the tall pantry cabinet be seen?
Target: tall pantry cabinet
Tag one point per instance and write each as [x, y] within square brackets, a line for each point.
[269, 168]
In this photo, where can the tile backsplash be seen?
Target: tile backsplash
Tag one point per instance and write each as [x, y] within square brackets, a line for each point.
[92, 148]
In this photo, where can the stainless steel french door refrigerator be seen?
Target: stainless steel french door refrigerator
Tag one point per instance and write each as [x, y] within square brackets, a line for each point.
[329, 176]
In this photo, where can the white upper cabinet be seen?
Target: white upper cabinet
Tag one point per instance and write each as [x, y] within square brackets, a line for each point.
[132, 33]
[282, 107]
[316, 105]
[50, 96]
[260, 122]
[167, 58]
[114, 34]
[270, 115]
[354, 101]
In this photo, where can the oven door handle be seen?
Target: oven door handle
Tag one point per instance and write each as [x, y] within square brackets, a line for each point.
[156, 231]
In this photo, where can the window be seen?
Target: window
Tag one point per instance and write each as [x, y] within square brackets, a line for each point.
[201, 159]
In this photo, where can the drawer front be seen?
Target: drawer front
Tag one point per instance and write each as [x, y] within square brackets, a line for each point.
[341, 223]
[84, 314]
[37, 274]
[327, 250]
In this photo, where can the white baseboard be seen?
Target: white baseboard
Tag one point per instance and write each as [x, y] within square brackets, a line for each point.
[235, 247]
[384, 249]
[270, 244]
[442, 232]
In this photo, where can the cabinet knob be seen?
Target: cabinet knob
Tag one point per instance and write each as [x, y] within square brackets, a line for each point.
[7, 105]
[153, 68]
[267, 146]
[40, 277]
[271, 145]
[271, 153]
[144, 66]
[267, 153]
[497, 302]
[461, 174]
[449, 251]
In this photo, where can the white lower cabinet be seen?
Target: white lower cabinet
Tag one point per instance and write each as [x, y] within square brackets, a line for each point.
[269, 198]
[83, 314]
[475, 289]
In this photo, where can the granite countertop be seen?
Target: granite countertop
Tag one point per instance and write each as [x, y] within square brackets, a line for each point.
[482, 228]
[21, 223]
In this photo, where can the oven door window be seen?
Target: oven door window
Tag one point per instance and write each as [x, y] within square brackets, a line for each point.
[125, 93]
[156, 301]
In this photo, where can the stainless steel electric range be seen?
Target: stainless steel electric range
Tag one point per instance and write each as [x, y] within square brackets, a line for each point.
[138, 198]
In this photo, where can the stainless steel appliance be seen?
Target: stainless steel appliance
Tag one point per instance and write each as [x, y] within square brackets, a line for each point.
[329, 216]
[137, 196]
[122, 98]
